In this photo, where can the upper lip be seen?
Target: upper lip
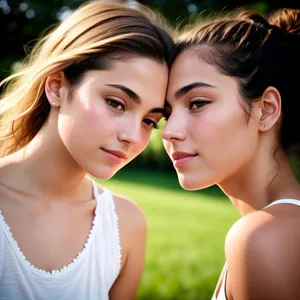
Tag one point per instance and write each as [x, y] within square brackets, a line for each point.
[179, 154]
[115, 152]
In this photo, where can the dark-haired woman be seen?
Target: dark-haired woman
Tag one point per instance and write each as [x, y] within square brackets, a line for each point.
[233, 120]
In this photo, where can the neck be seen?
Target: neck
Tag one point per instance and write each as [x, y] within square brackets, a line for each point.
[46, 168]
[262, 181]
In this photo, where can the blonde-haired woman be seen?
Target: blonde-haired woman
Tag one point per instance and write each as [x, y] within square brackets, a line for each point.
[86, 101]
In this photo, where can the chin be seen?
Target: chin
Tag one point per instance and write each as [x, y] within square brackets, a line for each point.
[190, 183]
[103, 173]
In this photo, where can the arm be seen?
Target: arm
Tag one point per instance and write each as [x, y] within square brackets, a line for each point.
[132, 225]
[263, 260]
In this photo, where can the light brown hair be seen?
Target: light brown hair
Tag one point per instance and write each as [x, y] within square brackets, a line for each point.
[94, 35]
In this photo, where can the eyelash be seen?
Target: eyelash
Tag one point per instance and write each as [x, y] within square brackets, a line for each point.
[114, 104]
[154, 125]
[201, 102]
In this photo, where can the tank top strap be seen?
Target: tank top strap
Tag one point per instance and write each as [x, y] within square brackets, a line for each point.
[105, 202]
[221, 285]
[99, 197]
[285, 201]
[109, 236]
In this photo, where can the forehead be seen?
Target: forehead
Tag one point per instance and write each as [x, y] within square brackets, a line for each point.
[146, 77]
[188, 68]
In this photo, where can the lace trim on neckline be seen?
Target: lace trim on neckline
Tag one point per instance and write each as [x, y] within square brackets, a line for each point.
[67, 268]
[119, 247]
[115, 222]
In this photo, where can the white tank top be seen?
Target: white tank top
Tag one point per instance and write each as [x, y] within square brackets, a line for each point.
[90, 275]
[222, 291]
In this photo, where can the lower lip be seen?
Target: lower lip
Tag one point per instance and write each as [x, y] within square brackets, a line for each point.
[112, 157]
[182, 161]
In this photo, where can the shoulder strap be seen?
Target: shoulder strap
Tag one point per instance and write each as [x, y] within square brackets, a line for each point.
[221, 285]
[109, 236]
[285, 201]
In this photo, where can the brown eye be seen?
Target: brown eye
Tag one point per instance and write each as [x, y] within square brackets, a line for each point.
[150, 123]
[198, 104]
[115, 104]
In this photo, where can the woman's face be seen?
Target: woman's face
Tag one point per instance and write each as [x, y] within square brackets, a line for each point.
[110, 116]
[207, 136]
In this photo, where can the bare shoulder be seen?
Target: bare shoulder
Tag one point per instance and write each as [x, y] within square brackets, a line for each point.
[129, 212]
[274, 225]
[130, 216]
[132, 225]
[262, 252]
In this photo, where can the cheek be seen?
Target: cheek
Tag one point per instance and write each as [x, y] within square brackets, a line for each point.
[223, 146]
[219, 127]
[95, 116]
[81, 125]
[224, 138]
[229, 142]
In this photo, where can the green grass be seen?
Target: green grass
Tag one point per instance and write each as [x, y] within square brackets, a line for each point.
[186, 232]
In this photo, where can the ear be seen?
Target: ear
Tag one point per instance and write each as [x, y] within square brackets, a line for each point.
[53, 87]
[270, 108]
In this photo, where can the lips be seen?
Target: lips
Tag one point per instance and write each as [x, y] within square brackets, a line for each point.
[117, 153]
[181, 159]
[177, 155]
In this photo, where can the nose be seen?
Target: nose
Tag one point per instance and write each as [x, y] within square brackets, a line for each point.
[131, 133]
[174, 129]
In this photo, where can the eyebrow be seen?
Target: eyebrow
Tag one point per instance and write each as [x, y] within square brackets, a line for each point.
[160, 110]
[185, 89]
[130, 93]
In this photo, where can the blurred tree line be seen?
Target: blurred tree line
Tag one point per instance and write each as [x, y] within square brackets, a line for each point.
[22, 23]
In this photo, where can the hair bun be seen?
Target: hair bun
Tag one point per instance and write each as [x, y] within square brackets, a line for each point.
[287, 19]
[254, 17]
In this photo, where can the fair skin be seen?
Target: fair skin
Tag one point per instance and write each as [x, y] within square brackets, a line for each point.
[211, 141]
[45, 182]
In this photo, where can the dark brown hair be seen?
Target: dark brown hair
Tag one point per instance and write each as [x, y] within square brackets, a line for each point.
[258, 52]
